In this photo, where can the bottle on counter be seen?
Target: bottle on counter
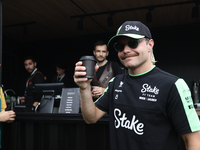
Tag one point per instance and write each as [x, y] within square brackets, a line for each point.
[13, 102]
[8, 99]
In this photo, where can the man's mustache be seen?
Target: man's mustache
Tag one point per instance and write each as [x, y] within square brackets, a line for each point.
[128, 55]
[100, 57]
[28, 69]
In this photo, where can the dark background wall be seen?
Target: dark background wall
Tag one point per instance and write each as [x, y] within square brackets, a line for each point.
[176, 50]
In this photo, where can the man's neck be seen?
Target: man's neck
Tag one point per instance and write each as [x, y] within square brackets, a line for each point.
[33, 71]
[60, 76]
[140, 70]
[100, 64]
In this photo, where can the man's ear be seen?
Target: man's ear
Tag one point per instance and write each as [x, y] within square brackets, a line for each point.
[151, 44]
[35, 64]
[107, 53]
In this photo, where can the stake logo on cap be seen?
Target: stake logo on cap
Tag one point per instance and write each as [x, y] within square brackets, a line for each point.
[132, 29]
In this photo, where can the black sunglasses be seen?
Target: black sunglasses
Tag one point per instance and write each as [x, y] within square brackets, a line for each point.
[132, 43]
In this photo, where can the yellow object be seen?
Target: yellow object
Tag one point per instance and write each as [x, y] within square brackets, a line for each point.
[3, 101]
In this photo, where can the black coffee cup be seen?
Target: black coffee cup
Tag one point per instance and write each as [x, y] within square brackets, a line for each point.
[89, 62]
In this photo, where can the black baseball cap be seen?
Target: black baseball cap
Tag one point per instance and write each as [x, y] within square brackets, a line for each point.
[132, 29]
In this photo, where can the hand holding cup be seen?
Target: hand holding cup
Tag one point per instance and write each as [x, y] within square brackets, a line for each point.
[89, 62]
[84, 71]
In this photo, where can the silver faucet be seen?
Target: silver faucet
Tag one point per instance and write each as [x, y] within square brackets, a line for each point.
[5, 92]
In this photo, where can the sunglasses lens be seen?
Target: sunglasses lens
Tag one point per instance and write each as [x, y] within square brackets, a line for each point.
[133, 43]
[119, 46]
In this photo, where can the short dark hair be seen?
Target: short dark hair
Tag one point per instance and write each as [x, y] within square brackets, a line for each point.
[29, 57]
[61, 65]
[100, 42]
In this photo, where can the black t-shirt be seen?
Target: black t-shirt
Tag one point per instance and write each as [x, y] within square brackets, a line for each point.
[115, 67]
[148, 111]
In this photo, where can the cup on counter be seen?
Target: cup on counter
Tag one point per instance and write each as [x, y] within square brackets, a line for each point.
[89, 62]
[18, 100]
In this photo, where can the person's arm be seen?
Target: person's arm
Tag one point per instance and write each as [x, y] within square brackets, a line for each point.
[183, 115]
[3, 101]
[35, 104]
[22, 99]
[97, 92]
[90, 112]
[192, 140]
[7, 116]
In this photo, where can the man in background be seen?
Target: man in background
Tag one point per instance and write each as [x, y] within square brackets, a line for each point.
[107, 69]
[61, 76]
[35, 77]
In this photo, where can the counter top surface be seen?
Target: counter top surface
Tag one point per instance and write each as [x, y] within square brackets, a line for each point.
[31, 116]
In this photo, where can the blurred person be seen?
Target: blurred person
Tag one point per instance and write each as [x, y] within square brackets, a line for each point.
[61, 75]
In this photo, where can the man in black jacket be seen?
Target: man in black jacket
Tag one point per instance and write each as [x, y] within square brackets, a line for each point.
[35, 77]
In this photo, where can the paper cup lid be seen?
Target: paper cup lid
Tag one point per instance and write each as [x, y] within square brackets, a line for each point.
[88, 58]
